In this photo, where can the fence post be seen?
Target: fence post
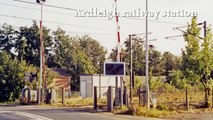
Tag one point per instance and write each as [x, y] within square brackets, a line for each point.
[95, 98]
[63, 96]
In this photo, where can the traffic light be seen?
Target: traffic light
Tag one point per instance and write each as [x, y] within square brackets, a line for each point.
[114, 68]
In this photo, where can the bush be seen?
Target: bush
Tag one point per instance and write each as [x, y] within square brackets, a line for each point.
[75, 94]
[162, 107]
[142, 111]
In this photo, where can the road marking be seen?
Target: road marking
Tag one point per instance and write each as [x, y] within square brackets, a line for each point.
[37, 117]
[6, 112]
[34, 117]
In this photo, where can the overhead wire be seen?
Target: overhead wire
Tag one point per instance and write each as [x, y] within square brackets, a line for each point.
[155, 21]
[52, 22]
[49, 11]
[106, 34]
[74, 9]
[53, 6]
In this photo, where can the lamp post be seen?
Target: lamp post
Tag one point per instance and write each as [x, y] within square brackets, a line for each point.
[41, 2]
[147, 64]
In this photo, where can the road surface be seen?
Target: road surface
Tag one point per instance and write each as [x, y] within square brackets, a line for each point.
[47, 113]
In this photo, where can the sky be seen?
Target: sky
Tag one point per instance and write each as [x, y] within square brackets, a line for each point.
[166, 15]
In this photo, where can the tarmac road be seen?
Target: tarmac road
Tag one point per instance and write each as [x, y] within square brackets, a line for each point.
[46, 113]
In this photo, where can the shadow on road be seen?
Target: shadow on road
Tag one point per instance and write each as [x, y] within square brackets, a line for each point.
[18, 107]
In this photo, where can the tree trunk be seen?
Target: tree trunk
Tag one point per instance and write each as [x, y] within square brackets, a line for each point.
[212, 97]
[187, 100]
[206, 98]
[206, 91]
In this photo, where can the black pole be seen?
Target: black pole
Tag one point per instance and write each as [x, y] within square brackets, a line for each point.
[95, 99]
[130, 40]
[63, 96]
[204, 26]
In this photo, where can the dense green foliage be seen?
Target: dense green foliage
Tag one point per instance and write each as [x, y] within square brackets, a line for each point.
[12, 77]
[79, 55]
[20, 49]
[159, 64]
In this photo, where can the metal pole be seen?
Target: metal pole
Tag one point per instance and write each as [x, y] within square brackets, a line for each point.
[41, 56]
[100, 81]
[147, 58]
[37, 88]
[130, 40]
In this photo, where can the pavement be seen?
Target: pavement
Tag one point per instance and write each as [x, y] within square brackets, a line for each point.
[33, 112]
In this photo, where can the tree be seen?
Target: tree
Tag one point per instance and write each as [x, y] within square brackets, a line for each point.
[12, 77]
[138, 55]
[27, 46]
[79, 55]
[154, 62]
[176, 79]
[94, 51]
[169, 63]
[8, 36]
[206, 62]
[197, 58]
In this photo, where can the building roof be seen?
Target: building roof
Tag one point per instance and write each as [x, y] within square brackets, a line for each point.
[62, 79]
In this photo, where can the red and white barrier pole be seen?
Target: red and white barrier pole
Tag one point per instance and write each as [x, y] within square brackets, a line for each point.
[118, 56]
[118, 33]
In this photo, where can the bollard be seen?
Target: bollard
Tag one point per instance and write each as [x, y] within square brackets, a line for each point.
[95, 102]
[117, 97]
[110, 99]
[48, 96]
[28, 96]
[37, 100]
[63, 96]
[41, 96]
[125, 96]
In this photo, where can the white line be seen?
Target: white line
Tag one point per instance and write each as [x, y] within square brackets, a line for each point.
[6, 112]
[36, 117]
